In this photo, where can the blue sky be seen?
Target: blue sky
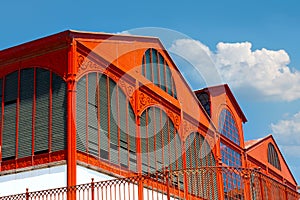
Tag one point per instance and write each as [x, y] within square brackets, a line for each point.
[260, 37]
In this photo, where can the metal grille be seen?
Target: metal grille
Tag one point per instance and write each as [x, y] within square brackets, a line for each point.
[92, 115]
[81, 114]
[25, 113]
[9, 123]
[160, 143]
[156, 69]
[158, 186]
[105, 121]
[27, 109]
[59, 114]
[41, 126]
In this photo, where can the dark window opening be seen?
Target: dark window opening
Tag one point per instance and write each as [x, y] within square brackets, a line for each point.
[156, 69]
[273, 158]
[20, 89]
[228, 127]
[41, 152]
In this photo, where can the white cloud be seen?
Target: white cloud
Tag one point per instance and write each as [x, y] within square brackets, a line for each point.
[263, 73]
[200, 57]
[287, 132]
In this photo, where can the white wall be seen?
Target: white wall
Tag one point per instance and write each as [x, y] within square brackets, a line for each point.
[34, 180]
[85, 175]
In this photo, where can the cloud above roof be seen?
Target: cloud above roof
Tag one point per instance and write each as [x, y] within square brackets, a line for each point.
[260, 74]
[287, 133]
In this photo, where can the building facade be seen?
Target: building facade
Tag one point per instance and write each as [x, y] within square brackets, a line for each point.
[79, 105]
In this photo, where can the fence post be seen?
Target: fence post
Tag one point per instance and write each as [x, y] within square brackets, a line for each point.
[27, 194]
[168, 183]
[93, 189]
[140, 187]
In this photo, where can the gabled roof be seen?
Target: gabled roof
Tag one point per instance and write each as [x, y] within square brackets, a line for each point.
[63, 39]
[258, 146]
[220, 90]
[250, 143]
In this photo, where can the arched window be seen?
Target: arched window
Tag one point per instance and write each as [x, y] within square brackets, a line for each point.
[198, 152]
[156, 69]
[34, 113]
[198, 156]
[273, 156]
[228, 127]
[160, 142]
[230, 157]
[205, 101]
[105, 121]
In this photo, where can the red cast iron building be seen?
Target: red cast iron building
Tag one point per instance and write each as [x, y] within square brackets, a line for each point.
[117, 106]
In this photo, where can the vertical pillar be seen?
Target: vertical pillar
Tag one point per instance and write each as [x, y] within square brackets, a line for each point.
[93, 189]
[71, 131]
[167, 183]
[185, 178]
[27, 194]
[139, 159]
[220, 170]
[262, 192]
[247, 188]
[138, 144]
[220, 180]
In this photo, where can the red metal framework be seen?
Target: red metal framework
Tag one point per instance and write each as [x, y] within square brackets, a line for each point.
[171, 185]
[32, 128]
[126, 147]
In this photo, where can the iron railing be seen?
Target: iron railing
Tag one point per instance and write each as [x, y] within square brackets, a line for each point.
[202, 183]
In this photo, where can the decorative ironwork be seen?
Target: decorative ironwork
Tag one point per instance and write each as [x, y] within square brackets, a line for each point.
[181, 184]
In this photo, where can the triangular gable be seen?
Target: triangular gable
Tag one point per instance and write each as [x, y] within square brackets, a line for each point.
[224, 89]
[126, 52]
[258, 150]
[221, 97]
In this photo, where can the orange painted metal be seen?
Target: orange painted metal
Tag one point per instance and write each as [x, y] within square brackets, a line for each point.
[73, 54]
[71, 130]
[163, 186]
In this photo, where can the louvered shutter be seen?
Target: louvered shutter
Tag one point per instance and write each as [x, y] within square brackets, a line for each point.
[162, 73]
[155, 67]
[92, 115]
[123, 105]
[59, 113]
[113, 135]
[42, 111]
[165, 138]
[158, 139]
[81, 114]
[148, 66]
[169, 80]
[151, 136]
[9, 123]
[132, 138]
[172, 146]
[103, 95]
[179, 152]
[144, 142]
[25, 113]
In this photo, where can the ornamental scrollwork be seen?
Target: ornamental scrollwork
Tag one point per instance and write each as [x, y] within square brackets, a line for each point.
[175, 118]
[84, 63]
[145, 101]
[128, 90]
[188, 127]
